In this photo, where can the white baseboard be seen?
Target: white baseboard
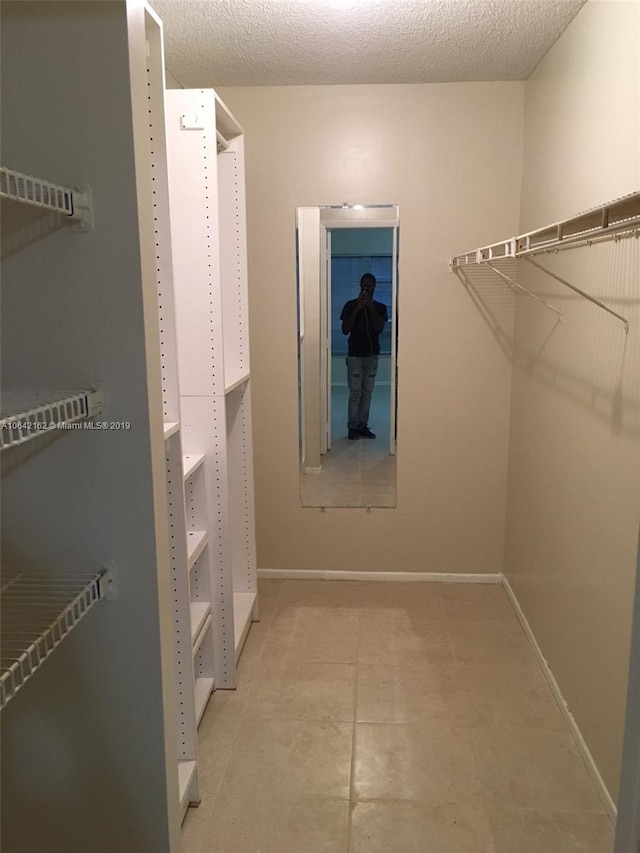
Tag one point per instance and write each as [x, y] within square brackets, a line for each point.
[583, 749]
[422, 577]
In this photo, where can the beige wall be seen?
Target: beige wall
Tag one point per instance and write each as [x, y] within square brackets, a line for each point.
[450, 156]
[574, 463]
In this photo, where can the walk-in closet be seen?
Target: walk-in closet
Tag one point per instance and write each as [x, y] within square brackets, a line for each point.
[212, 640]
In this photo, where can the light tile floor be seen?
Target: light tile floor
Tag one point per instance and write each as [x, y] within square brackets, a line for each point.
[375, 717]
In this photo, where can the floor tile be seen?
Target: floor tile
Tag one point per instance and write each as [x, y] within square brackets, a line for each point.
[551, 832]
[534, 769]
[252, 650]
[268, 823]
[404, 644]
[297, 757]
[459, 744]
[196, 825]
[480, 604]
[484, 643]
[404, 601]
[396, 827]
[216, 736]
[433, 763]
[322, 593]
[303, 691]
[328, 638]
[490, 695]
[388, 693]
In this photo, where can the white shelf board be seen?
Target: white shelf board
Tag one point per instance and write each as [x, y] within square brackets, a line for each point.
[170, 428]
[202, 692]
[190, 463]
[196, 543]
[186, 775]
[199, 611]
[236, 383]
[242, 611]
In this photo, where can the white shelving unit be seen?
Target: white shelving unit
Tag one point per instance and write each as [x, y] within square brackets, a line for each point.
[208, 221]
[92, 685]
[188, 533]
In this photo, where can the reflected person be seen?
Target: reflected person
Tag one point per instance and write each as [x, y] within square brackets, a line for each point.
[363, 320]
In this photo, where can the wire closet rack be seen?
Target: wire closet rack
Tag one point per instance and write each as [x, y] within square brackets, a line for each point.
[613, 221]
[24, 415]
[37, 612]
[36, 192]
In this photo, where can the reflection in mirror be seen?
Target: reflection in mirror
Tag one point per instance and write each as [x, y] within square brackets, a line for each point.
[347, 311]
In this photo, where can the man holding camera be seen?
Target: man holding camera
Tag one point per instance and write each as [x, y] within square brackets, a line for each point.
[363, 319]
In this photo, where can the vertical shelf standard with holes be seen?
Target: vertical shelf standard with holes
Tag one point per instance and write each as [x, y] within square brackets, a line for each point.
[187, 538]
[206, 179]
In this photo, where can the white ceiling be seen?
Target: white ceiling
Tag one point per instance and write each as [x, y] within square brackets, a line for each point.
[323, 42]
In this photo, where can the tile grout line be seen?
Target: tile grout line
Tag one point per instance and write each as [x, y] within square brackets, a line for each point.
[242, 713]
[351, 804]
[457, 665]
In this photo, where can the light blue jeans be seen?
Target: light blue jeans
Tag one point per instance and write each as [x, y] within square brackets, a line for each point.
[361, 376]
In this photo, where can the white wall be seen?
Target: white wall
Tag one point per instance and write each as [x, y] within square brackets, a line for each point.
[450, 156]
[574, 462]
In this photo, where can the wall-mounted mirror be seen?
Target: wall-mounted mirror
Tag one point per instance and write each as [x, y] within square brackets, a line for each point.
[347, 342]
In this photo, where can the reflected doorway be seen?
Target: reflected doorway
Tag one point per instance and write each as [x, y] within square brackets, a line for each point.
[354, 252]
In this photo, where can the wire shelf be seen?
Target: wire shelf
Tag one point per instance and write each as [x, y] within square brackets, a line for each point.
[35, 191]
[607, 222]
[37, 612]
[24, 416]
[76, 204]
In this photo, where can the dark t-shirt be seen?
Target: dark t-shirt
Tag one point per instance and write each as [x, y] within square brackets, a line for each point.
[363, 340]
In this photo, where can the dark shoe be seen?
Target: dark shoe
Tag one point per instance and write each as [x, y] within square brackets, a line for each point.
[354, 434]
[365, 432]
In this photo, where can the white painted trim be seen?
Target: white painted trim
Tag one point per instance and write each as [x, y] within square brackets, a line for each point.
[429, 577]
[583, 749]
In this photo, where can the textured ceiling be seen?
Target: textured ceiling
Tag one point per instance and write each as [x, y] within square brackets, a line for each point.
[324, 42]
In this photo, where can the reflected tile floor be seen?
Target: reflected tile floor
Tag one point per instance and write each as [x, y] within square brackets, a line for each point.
[375, 717]
[354, 473]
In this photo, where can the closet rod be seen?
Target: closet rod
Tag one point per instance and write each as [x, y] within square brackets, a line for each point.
[580, 241]
[526, 290]
[580, 292]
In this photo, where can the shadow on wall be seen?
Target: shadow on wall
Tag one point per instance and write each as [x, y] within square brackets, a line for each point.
[585, 356]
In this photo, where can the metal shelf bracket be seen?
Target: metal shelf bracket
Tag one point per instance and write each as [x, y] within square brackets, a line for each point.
[580, 292]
